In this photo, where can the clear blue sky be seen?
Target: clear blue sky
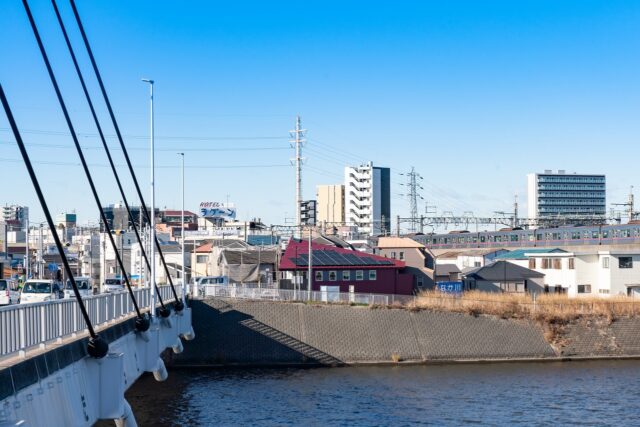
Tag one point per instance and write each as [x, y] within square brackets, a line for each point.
[474, 94]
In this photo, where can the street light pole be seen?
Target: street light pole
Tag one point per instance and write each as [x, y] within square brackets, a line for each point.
[152, 216]
[184, 283]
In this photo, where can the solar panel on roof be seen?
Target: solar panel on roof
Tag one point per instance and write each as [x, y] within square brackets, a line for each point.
[335, 258]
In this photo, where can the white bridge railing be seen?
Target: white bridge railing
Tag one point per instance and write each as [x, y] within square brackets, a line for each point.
[273, 294]
[25, 326]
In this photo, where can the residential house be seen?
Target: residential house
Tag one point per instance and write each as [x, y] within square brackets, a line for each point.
[418, 259]
[597, 272]
[343, 270]
[503, 276]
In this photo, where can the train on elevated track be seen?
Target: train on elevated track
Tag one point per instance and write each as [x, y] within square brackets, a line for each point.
[622, 234]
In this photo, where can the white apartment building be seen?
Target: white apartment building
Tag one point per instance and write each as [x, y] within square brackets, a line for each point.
[591, 273]
[367, 198]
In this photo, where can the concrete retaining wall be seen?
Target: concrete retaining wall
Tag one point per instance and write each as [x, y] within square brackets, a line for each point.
[269, 333]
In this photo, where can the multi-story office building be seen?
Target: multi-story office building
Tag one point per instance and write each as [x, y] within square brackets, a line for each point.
[367, 196]
[557, 195]
[330, 205]
[15, 213]
[118, 218]
[308, 212]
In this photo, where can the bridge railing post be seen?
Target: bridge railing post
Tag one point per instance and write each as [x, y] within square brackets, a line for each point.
[23, 330]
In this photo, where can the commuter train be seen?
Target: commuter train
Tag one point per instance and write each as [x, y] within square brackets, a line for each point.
[542, 237]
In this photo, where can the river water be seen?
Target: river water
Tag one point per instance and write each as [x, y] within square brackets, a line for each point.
[545, 394]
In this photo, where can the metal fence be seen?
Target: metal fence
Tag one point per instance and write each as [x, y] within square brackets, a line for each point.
[25, 326]
[273, 294]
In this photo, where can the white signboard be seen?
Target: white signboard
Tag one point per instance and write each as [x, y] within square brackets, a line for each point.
[226, 211]
[213, 232]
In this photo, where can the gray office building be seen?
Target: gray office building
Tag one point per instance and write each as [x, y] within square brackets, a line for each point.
[561, 195]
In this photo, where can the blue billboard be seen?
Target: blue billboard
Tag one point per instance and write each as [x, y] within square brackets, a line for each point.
[450, 287]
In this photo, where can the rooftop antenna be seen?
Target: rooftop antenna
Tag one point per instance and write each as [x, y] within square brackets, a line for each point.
[297, 141]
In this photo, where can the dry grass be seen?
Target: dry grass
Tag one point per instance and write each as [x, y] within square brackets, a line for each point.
[548, 308]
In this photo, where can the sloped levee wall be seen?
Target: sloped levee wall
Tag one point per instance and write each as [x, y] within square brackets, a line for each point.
[244, 333]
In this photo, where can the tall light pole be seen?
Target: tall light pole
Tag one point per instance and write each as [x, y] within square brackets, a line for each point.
[152, 216]
[184, 283]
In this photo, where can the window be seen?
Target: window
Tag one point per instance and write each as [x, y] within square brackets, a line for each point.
[477, 264]
[319, 276]
[603, 291]
[625, 262]
[333, 276]
[401, 255]
[605, 262]
[346, 274]
[372, 274]
[532, 263]
[202, 258]
[359, 275]
[572, 265]
[393, 255]
[546, 263]
[557, 264]
[584, 289]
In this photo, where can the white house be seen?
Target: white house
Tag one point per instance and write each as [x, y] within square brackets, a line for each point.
[589, 273]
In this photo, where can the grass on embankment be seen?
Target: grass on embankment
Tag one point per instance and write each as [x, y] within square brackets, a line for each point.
[552, 311]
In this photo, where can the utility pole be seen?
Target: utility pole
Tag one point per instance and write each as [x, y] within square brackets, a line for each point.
[27, 258]
[310, 272]
[184, 283]
[515, 211]
[297, 140]
[152, 226]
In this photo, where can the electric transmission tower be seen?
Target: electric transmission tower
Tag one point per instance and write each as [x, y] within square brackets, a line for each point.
[297, 141]
[414, 187]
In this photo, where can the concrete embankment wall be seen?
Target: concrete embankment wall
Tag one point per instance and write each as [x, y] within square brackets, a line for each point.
[269, 333]
[252, 333]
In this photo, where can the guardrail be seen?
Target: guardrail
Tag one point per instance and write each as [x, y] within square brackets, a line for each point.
[25, 326]
[273, 294]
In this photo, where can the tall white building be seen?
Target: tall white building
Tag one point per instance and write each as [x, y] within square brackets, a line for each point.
[367, 198]
[557, 195]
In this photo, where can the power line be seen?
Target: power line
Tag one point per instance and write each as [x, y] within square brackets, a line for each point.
[145, 137]
[61, 146]
[99, 165]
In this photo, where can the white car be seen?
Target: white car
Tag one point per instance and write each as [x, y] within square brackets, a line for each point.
[40, 290]
[84, 287]
[9, 292]
[114, 285]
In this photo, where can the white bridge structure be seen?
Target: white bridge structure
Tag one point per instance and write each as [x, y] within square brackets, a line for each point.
[47, 377]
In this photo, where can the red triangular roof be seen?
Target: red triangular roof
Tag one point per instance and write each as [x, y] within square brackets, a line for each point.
[297, 247]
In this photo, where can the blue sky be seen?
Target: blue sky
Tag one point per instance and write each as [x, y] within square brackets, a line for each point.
[474, 95]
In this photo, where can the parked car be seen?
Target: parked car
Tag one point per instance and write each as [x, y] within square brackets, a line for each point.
[114, 285]
[39, 290]
[84, 287]
[9, 292]
[203, 281]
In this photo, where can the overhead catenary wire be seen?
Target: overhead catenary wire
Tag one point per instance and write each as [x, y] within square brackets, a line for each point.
[97, 347]
[111, 164]
[85, 167]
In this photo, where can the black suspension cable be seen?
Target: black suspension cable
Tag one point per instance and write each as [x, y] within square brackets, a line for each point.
[106, 147]
[82, 159]
[97, 347]
[178, 303]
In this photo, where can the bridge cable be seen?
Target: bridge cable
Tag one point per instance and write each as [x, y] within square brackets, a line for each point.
[178, 303]
[97, 347]
[140, 322]
[164, 311]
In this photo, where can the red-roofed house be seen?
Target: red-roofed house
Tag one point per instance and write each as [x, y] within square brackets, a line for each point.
[351, 271]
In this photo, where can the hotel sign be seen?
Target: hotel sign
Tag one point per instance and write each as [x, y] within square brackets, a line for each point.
[225, 211]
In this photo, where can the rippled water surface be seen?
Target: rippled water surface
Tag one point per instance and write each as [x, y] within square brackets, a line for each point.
[576, 393]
